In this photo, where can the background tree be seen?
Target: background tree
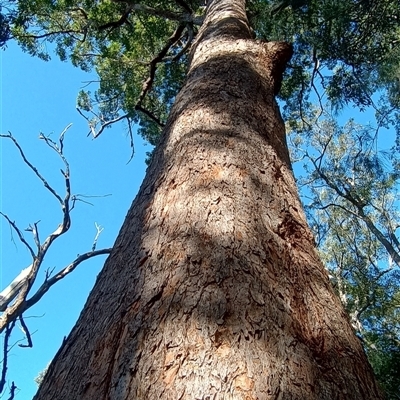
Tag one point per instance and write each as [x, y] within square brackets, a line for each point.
[351, 192]
[321, 31]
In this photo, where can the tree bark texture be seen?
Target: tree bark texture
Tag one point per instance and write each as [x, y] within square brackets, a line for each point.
[214, 289]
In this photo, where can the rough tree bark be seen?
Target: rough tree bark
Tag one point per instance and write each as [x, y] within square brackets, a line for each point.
[214, 289]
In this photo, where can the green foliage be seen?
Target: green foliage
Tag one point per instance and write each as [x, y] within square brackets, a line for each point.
[5, 22]
[348, 49]
[345, 50]
[382, 339]
[384, 355]
[119, 44]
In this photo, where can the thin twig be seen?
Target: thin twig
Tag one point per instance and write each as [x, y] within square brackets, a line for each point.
[32, 167]
[96, 238]
[131, 143]
[19, 233]
[104, 126]
[26, 333]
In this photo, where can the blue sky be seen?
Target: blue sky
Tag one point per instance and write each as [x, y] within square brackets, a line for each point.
[36, 97]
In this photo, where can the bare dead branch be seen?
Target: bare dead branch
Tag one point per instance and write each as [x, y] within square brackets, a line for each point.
[32, 167]
[13, 312]
[108, 123]
[77, 197]
[35, 233]
[83, 115]
[21, 285]
[49, 272]
[12, 290]
[48, 283]
[19, 233]
[65, 206]
[61, 139]
[26, 332]
[99, 229]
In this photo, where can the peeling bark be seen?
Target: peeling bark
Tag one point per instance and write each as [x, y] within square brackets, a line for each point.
[214, 289]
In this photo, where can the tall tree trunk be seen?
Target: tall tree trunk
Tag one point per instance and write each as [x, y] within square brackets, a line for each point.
[214, 289]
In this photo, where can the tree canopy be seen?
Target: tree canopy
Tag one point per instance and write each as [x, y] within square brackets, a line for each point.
[346, 53]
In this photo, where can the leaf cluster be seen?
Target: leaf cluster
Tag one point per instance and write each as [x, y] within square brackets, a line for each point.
[354, 43]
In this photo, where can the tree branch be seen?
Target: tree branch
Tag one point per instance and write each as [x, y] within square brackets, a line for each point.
[146, 87]
[185, 47]
[104, 126]
[19, 233]
[48, 283]
[13, 388]
[49, 34]
[11, 291]
[7, 334]
[33, 168]
[22, 284]
[150, 115]
[157, 59]
[184, 5]
[360, 213]
[118, 23]
[173, 16]
[96, 238]
[26, 332]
